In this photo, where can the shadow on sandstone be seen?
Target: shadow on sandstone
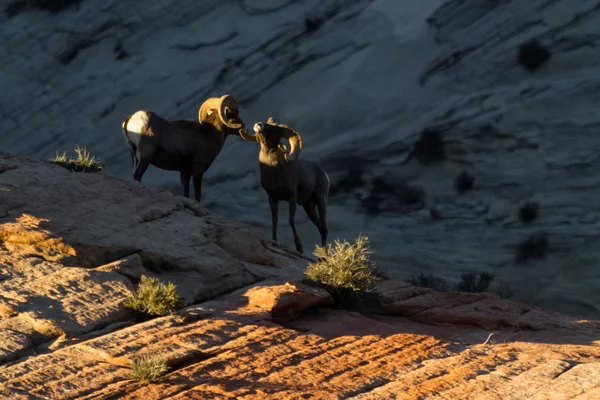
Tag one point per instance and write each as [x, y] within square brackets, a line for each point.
[261, 339]
[86, 221]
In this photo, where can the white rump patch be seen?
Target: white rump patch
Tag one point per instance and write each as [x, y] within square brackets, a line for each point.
[136, 126]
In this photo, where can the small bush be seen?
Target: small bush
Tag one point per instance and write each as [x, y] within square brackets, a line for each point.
[464, 182]
[532, 55]
[435, 214]
[119, 51]
[429, 281]
[345, 270]
[52, 6]
[153, 297]
[84, 162]
[352, 179]
[385, 196]
[311, 24]
[149, 368]
[344, 265]
[475, 282]
[529, 212]
[534, 247]
[504, 291]
[430, 147]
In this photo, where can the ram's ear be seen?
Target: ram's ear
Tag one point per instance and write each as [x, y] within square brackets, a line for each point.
[282, 148]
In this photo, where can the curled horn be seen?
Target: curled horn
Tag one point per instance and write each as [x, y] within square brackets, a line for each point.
[292, 136]
[225, 107]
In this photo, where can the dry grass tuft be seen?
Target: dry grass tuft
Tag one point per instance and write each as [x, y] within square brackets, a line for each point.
[153, 297]
[149, 368]
[84, 162]
[344, 265]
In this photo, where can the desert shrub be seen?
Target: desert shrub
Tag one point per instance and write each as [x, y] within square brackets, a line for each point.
[312, 24]
[153, 297]
[430, 146]
[119, 51]
[532, 55]
[84, 162]
[464, 182]
[429, 281]
[344, 269]
[435, 214]
[352, 179]
[534, 247]
[504, 291]
[475, 282]
[52, 6]
[149, 368]
[385, 196]
[528, 212]
[55, 6]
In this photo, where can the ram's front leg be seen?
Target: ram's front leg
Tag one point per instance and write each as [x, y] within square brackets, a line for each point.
[274, 205]
[292, 220]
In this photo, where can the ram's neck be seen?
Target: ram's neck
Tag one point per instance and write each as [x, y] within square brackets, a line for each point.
[270, 157]
[217, 135]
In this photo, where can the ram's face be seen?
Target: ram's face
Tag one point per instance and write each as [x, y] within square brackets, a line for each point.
[268, 136]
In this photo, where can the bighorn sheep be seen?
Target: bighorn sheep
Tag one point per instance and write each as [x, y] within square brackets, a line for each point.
[286, 178]
[187, 146]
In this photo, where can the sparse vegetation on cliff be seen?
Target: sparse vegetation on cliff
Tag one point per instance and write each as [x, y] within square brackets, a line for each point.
[534, 247]
[532, 55]
[471, 282]
[345, 270]
[83, 162]
[430, 147]
[528, 212]
[52, 6]
[475, 282]
[344, 265]
[429, 281]
[154, 297]
[464, 182]
[149, 368]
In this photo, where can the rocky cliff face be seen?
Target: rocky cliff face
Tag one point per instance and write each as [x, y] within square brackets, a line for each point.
[360, 80]
[74, 245]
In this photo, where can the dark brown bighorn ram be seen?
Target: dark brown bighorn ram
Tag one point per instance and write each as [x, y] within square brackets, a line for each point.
[287, 178]
[187, 146]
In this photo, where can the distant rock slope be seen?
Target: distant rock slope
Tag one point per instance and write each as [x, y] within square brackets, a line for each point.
[360, 80]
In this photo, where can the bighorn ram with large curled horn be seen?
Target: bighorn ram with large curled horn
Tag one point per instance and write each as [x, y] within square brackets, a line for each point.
[287, 178]
[187, 146]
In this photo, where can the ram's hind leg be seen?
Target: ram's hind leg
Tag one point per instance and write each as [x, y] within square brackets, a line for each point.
[140, 169]
[185, 182]
[322, 208]
[311, 210]
[132, 151]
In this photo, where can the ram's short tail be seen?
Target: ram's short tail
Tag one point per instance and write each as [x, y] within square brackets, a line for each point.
[124, 125]
[130, 144]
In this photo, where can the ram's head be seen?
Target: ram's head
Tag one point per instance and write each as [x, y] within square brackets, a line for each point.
[222, 112]
[270, 134]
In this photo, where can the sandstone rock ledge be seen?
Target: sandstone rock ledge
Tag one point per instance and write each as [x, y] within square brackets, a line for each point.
[74, 245]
